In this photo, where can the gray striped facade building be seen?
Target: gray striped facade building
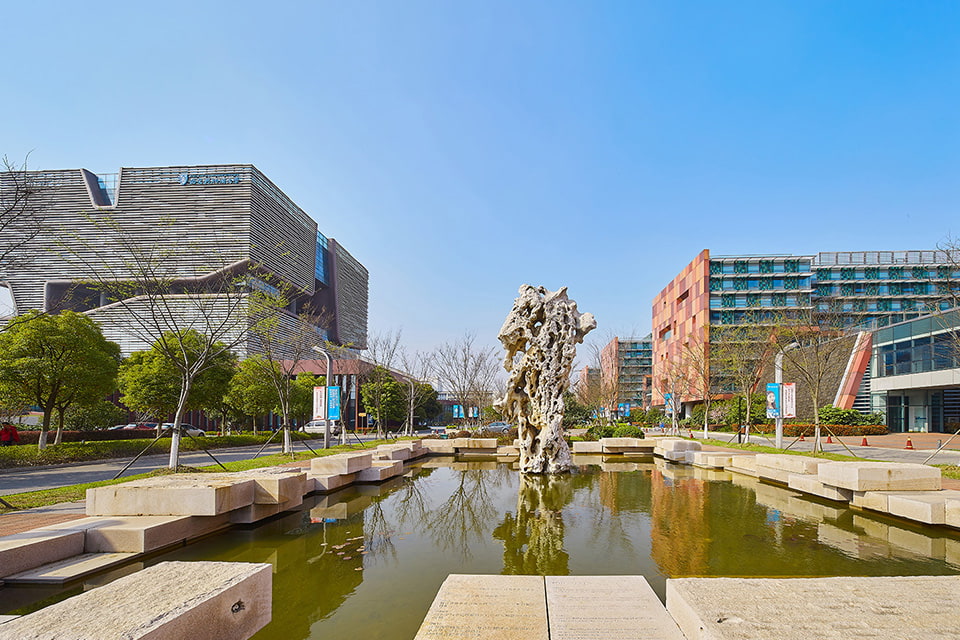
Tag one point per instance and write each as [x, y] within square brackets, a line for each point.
[207, 219]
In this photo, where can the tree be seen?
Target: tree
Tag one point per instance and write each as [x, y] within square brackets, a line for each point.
[384, 396]
[301, 396]
[249, 394]
[20, 221]
[702, 377]
[164, 290]
[283, 340]
[739, 354]
[382, 350]
[56, 362]
[418, 367]
[100, 415]
[466, 371]
[151, 384]
[816, 348]
[675, 386]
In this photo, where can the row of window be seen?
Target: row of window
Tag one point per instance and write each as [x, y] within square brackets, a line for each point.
[875, 289]
[729, 301]
[763, 284]
[887, 273]
[759, 266]
[929, 353]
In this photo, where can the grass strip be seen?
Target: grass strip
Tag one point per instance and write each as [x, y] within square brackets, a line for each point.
[759, 448]
[47, 497]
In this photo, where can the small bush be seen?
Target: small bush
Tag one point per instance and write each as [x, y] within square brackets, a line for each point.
[598, 431]
[833, 415]
[627, 431]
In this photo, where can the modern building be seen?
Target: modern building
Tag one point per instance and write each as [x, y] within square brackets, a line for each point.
[626, 366]
[871, 289]
[196, 223]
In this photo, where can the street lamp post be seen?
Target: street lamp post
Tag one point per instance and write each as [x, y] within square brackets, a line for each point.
[329, 377]
[778, 378]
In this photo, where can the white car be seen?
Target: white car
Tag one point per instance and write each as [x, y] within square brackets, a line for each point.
[317, 426]
[188, 429]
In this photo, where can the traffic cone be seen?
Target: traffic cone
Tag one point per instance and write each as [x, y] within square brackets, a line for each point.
[801, 437]
[863, 443]
[829, 439]
[909, 443]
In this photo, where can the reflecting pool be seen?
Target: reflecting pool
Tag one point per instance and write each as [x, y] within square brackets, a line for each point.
[367, 561]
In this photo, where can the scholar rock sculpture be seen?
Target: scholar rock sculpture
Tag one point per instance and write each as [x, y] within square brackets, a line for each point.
[540, 335]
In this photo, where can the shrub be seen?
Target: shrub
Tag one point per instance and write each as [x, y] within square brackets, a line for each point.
[627, 431]
[794, 430]
[598, 431]
[833, 415]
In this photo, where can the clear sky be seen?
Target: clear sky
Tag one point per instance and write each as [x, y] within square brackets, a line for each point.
[460, 149]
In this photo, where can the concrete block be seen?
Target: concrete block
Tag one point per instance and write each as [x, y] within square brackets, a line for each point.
[810, 483]
[587, 447]
[787, 462]
[381, 470]
[621, 607]
[879, 476]
[873, 500]
[273, 485]
[257, 512]
[487, 606]
[677, 444]
[31, 549]
[342, 463]
[132, 534]
[393, 452]
[753, 608]
[324, 483]
[928, 507]
[339, 509]
[70, 569]
[174, 495]
[210, 600]
[772, 474]
[479, 443]
[436, 445]
[680, 457]
[712, 459]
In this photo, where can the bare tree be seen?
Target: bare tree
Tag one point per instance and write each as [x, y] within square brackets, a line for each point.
[283, 339]
[418, 367]
[467, 371]
[675, 384]
[702, 378]
[383, 350]
[20, 221]
[145, 284]
[820, 347]
[739, 354]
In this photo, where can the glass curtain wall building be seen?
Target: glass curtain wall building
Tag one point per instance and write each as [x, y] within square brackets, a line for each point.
[864, 289]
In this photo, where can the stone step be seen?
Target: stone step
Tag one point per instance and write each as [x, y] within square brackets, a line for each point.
[30, 549]
[547, 608]
[918, 607]
[216, 600]
[70, 569]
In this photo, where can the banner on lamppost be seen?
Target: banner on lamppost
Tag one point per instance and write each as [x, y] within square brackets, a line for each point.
[319, 403]
[457, 411]
[668, 404]
[773, 400]
[333, 403]
[788, 398]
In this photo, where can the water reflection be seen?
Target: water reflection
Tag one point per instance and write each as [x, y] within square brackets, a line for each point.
[367, 561]
[533, 536]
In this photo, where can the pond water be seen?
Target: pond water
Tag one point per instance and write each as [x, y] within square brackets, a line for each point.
[367, 561]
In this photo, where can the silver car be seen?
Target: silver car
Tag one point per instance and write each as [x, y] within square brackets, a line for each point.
[317, 426]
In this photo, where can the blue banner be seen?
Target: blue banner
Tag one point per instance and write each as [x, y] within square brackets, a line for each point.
[773, 400]
[333, 403]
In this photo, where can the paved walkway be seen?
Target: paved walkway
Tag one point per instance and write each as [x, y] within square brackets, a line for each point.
[20, 521]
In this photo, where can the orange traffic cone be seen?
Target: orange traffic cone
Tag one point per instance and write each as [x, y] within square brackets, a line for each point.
[829, 440]
[863, 443]
[909, 443]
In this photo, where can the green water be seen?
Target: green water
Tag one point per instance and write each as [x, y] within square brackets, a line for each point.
[367, 562]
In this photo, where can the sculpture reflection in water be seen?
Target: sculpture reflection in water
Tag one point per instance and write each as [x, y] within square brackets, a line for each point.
[541, 334]
[533, 538]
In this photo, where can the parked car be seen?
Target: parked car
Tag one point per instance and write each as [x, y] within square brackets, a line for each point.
[188, 429]
[502, 427]
[317, 426]
[142, 425]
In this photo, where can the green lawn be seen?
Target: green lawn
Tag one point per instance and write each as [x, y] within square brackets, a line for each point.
[73, 493]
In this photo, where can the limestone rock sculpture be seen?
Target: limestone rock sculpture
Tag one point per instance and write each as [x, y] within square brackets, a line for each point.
[540, 335]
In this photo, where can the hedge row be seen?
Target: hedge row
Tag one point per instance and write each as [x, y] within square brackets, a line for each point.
[794, 430]
[30, 456]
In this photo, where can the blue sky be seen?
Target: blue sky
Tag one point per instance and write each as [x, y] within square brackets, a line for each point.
[460, 149]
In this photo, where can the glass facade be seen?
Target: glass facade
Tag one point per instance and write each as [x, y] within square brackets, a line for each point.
[875, 288]
[321, 264]
[926, 345]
